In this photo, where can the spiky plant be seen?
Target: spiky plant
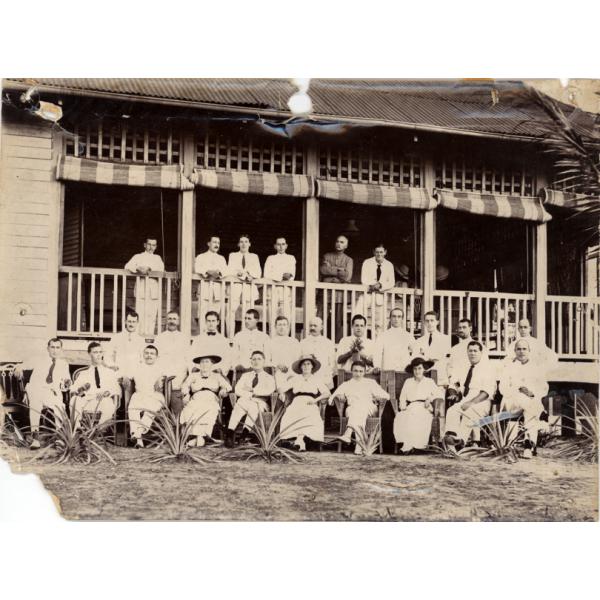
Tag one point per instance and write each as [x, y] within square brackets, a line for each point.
[268, 439]
[66, 442]
[170, 440]
[583, 447]
[447, 451]
[368, 443]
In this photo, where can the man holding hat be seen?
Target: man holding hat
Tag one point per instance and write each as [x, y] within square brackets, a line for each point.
[302, 418]
[203, 392]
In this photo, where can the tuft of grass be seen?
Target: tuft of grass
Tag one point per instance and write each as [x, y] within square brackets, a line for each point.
[170, 440]
[584, 447]
[63, 443]
[368, 442]
[267, 446]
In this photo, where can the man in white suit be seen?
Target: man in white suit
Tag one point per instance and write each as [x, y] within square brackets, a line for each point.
[279, 268]
[211, 267]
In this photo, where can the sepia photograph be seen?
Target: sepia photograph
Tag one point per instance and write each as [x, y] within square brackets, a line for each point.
[255, 299]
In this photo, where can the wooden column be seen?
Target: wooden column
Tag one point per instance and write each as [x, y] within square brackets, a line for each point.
[187, 237]
[428, 243]
[540, 269]
[310, 231]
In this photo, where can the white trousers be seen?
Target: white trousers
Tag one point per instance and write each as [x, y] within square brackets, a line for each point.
[463, 423]
[148, 403]
[202, 410]
[412, 426]
[358, 413]
[147, 309]
[249, 406]
[40, 397]
[106, 406]
[532, 409]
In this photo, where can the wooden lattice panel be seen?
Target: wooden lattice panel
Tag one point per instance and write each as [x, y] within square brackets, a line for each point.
[471, 176]
[365, 166]
[224, 153]
[125, 143]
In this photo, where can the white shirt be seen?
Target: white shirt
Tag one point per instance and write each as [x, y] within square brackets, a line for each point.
[368, 275]
[277, 265]
[125, 351]
[41, 368]
[217, 345]
[285, 350]
[173, 349]
[252, 266]
[542, 356]
[145, 377]
[483, 379]
[108, 381]
[346, 343]
[392, 349]
[323, 350]
[414, 390]
[245, 342]
[360, 391]
[145, 259]
[265, 387]
[214, 382]
[516, 374]
[210, 261]
[459, 358]
[439, 348]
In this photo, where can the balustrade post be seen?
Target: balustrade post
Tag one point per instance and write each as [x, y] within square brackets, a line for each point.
[311, 244]
[428, 242]
[187, 231]
[541, 281]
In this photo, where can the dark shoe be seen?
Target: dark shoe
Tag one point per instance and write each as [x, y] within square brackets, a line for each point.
[229, 438]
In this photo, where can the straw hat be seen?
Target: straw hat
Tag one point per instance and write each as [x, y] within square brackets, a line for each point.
[415, 362]
[297, 366]
[213, 357]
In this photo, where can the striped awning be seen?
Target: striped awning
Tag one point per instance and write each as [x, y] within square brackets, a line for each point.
[494, 205]
[378, 195]
[267, 184]
[566, 199]
[71, 168]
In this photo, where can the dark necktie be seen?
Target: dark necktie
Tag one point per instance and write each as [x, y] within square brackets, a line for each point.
[255, 380]
[468, 381]
[51, 371]
[378, 272]
[212, 333]
[243, 261]
[430, 339]
[97, 377]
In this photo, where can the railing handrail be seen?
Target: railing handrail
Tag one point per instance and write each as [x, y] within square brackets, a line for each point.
[259, 281]
[358, 287]
[587, 299]
[103, 271]
[479, 294]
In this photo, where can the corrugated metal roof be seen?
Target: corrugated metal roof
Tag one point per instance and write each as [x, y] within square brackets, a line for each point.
[498, 107]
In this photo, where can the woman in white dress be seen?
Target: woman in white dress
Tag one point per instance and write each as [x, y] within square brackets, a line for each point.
[302, 418]
[201, 392]
[412, 425]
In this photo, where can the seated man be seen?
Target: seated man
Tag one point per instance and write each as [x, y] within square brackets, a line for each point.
[205, 388]
[472, 389]
[96, 389]
[360, 394]
[356, 347]
[148, 398]
[254, 390]
[285, 351]
[280, 267]
[49, 379]
[523, 385]
[213, 343]
[249, 339]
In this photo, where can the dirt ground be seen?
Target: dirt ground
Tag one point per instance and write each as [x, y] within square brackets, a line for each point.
[327, 486]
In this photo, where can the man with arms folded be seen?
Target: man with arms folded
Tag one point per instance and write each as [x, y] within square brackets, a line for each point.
[211, 267]
[280, 267]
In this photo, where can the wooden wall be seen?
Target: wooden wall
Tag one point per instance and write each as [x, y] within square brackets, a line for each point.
[30, 200]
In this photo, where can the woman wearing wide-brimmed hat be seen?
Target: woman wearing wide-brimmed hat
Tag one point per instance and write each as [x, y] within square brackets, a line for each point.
[302, 418]
[201, 391]
[412, 425]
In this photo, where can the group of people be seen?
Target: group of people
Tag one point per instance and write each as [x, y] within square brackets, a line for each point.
[261, 369]
[378, 276]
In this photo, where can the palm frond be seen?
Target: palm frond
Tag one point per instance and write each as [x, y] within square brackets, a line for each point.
[368, 443]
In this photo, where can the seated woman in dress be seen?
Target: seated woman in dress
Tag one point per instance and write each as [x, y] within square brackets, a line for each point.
[302, 418]
[412, 425]
[205, 388]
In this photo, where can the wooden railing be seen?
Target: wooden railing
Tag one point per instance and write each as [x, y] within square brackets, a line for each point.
[336, 303]
[93, 302]
[231, 299]
[573, 326]
[494, 315]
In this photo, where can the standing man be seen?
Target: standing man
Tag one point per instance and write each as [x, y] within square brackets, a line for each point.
[280, 267]
[458, 359]
[337, 267]
[211, 267]
[253, 391]
[377, 275]
[211, 343]
[146, 288]
[244, 266]
[285, 351]
[96, 389]
[322, 348]
[523, 385]
[394, 347]
[356, 347]
[434, 346]
[472, 390]
[173, 349]
[49, 379]
[248, 340]
[543, 357]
